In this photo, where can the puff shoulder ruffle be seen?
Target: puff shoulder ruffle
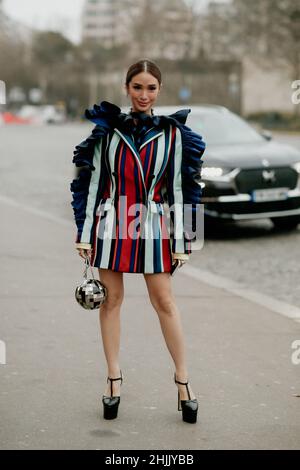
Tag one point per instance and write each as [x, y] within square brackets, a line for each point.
[193, 148]
[105, 117]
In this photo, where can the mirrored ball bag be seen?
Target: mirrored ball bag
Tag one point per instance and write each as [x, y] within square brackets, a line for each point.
[91, 293]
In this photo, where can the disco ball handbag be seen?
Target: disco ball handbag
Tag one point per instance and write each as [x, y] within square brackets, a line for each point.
[91, 293]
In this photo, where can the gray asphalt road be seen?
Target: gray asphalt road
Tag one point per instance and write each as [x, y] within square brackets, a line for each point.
[239, 353]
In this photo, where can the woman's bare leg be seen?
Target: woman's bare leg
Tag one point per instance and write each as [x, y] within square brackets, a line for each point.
[162, 298]
[109, 317]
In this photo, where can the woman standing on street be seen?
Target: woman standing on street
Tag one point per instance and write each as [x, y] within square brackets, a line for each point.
[129, 163]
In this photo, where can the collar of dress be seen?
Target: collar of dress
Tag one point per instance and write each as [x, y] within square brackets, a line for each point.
[108, 114]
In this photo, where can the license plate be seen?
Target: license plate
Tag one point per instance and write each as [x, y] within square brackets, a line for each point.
[274, 194]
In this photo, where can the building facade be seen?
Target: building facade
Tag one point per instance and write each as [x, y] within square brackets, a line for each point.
[108, 21]
[160, 28]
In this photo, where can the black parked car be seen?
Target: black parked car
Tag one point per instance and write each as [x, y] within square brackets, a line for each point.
[247, 175]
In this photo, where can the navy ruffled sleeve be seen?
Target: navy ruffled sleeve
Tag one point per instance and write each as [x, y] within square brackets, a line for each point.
[183, 182]
[87, 155]
[193, 148]
[83, 157]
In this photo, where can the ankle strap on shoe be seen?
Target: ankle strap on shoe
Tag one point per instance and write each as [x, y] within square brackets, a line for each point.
[118, 378]
[182, 383]
[112, 380]
[177, 381]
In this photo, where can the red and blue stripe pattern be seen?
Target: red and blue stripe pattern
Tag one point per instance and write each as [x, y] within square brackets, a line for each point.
[118, 199]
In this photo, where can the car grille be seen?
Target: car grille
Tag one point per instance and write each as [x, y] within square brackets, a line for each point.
[215, 192]
[248, 180]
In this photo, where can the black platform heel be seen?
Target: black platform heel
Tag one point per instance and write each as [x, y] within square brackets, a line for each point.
[111, 404]
[188, 407]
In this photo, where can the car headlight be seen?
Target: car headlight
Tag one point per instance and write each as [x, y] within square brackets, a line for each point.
[297, 167]
[213, 172]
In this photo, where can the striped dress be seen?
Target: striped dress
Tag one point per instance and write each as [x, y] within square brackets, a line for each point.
[135, 178]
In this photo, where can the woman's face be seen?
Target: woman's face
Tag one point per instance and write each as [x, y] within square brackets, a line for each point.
[143, 90]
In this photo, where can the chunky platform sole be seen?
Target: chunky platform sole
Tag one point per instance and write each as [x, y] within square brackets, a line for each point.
[110, 411]
[111, 404]
[189, 416]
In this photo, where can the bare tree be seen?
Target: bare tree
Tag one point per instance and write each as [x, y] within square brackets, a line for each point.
[269, 30]
[163, 29]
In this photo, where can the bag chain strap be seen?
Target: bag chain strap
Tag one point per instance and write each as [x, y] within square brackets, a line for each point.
[87, 265]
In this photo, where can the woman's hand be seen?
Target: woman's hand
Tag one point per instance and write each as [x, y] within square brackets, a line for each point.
[176, 258]
[84, 252]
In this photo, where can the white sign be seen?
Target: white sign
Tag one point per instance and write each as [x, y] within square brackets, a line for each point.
[295, 358]
[2, 92]
[2, 352]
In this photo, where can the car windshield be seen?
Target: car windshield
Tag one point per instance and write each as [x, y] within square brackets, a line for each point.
[222, 129]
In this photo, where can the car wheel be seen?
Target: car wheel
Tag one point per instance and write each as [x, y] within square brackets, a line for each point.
[286, 223]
